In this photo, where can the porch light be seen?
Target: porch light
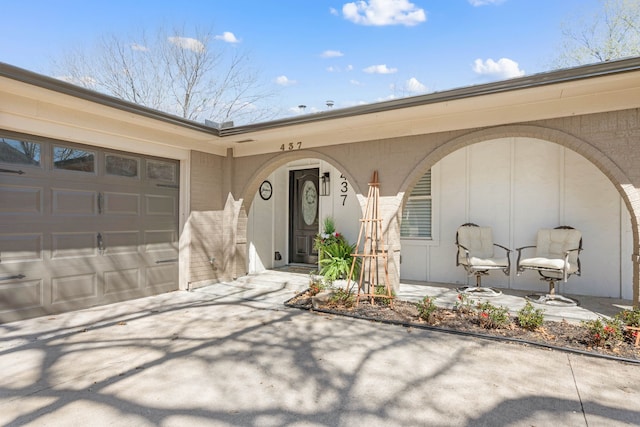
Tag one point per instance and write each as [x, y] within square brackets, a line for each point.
[325, 187]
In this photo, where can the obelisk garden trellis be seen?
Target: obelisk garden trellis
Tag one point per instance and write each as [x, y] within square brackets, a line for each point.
[371, 250]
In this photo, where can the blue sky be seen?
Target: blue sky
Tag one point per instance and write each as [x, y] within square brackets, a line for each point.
[311, 51]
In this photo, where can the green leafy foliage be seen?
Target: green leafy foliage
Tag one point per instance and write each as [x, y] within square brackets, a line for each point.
[336, 261]
[529, 317]
[382, 290]
[426, 308]
[341, 296]
[492, 317]
[604, 332]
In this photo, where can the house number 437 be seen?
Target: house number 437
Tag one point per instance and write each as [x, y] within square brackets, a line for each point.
[291, 146]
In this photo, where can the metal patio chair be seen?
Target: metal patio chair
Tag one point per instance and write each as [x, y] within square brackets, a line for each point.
[475, 252]
[557, 256]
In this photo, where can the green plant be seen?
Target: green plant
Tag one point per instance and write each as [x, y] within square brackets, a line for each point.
[604, 332]
[426, 308]
[492, 317]
[341, 296]
[316, 283]
[630, 318]
[464, 304]
[382, 290]
[328, 236]
[337, 260]
[529, 317]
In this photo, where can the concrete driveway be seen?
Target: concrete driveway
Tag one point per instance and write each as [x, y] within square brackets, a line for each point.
[233, 355]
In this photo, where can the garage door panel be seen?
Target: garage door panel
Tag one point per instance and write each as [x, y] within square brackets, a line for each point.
[161, 276]
[70, 202]
[74, 287]
[121, 242]
[121, 281]
[21, 247]
[18, 200]
[160, 205]
[20, 295]
[74, 245]
[121, 203]
[160, 241]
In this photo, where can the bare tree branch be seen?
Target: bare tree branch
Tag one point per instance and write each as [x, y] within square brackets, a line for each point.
[193, 77]
[613, 33]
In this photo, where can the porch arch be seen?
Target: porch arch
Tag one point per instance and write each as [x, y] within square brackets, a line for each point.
[251, 186]
[594, 155]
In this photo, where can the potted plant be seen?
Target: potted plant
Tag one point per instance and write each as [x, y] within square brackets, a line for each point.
[334, 253]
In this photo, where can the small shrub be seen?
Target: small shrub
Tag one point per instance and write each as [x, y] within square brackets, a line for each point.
[316, 283]
[530, 318]
[630, 318]
[604, 332]
[341, 296]
[464, 304]
[382, 290]
[426, 308]
[492, 317]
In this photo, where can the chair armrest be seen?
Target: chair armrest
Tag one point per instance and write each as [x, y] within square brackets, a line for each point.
[519, 270]
[508, 269]
[466, 253]
[505, 248]
[565, 273]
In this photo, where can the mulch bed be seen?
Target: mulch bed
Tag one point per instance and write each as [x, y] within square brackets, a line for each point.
[552, 334]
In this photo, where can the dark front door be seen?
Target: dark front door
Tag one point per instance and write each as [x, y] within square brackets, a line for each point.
[303, 205]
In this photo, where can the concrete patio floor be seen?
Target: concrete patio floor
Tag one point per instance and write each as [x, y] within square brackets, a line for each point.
[231, 354]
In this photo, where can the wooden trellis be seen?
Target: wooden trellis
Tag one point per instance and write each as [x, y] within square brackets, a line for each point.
[371, 251]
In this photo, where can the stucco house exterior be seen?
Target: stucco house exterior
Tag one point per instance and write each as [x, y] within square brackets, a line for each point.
[102, 200]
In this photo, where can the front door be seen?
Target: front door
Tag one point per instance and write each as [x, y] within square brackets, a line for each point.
[303, 205]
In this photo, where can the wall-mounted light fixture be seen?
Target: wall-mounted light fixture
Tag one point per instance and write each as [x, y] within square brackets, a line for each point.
[325, 184]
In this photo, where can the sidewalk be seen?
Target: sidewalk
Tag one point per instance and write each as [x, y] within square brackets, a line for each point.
[232, 355]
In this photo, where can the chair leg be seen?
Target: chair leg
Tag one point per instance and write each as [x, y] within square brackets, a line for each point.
[552, 298]
[479, 290]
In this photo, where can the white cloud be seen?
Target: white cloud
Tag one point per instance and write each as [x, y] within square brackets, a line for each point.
[285, 81]
[380, 69]
[138, 47]
[349, 67]
[414, 86]
[355, 82]
[477, 3]
[383, 12]
[227, 37]
[331, 54]
[187, 43]
[504, 68]
[334, 11]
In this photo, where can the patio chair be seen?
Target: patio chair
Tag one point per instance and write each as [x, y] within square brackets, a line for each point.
[557, 256]
[475, 252]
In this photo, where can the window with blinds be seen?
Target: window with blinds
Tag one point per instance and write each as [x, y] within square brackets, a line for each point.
[416, 216]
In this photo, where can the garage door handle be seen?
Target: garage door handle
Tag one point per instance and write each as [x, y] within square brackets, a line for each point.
[100, 244]
[164, 261]
[17, 276]
[19, 172]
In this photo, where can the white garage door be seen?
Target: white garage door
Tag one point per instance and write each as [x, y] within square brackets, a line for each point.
[81, 226]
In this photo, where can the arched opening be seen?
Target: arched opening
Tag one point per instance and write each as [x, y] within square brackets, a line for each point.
[516, 185]
[274, 238]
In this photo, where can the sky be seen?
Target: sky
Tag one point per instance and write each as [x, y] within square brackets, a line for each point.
[313, 51]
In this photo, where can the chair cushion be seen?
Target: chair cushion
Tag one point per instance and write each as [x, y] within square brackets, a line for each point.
[487, 262]
[552, 263]
[552, 243]
[478, 240]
